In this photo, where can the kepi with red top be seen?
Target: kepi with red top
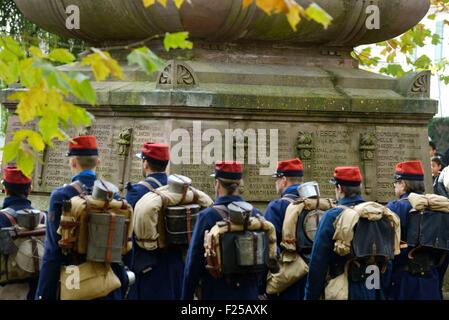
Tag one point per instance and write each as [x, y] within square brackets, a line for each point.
[83, 146]
[15, 180]
[231, 170]
[347, 176]
[289, 168]
[409, 170]
[157, 153]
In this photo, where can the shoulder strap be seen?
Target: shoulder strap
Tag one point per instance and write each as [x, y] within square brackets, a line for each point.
[78, 187]
[10, 214]
[288, 199]
[146, 185]
[222, 210]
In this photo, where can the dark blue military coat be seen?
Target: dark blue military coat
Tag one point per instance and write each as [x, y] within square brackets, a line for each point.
[275, 213]
[159, 272]
[245, 287]
[323, 256]
[53, 258]
[405, 286]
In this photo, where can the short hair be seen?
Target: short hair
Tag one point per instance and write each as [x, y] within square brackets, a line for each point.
[156, 167]
[438, 160]
[22, 192]
[414, 186]
[432, 145]
[87, 162]
[231, 186]
[351, 191]
[294, 180]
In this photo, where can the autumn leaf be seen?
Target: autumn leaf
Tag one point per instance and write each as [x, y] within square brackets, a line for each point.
[318, 14]
[177, 40]
[146, 59]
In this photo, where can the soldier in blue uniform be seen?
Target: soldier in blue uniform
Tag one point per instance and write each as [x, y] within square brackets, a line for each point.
[409, 177]
[324, 260]
[83, 160]
[228, 180]
[159, 272]
[17, 187]
[289, 175]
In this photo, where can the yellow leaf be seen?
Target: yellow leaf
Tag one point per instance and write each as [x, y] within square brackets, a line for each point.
[293, 15]
[34, 139]
[148, 3]
[178, 3]
[247, 3]
[36, 52]
[163, 3]
[266, 5]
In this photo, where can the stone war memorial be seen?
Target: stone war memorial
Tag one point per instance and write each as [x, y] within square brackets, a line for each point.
[250, 89]
[293, 94]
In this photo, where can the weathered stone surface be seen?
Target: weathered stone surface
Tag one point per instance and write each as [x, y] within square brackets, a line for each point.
[105, 21]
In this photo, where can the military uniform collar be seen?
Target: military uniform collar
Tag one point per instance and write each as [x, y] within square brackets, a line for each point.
[13, 201]
[227, 199]
[350, 201]
[291, 190]
[405, 195]
[160, 176]
[86, 177]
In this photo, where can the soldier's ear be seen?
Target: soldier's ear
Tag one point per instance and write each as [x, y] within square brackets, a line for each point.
[98, 162]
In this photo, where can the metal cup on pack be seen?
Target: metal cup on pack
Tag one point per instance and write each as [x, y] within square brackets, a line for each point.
[177, 183]
[309, 190]
[239, 211]
[28, 218]
[104, 190]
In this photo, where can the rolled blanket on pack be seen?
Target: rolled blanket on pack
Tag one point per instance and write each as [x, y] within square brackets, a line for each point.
[421, 202]
[148, 213]
[348, 218]
[292, 216]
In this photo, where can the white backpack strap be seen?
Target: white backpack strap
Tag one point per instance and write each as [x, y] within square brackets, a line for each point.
[156, 181]
[146, 185]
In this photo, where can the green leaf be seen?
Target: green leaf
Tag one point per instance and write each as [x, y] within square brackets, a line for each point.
[33, 138]
[393, 70]
[423, 62]
[25, 162]
[29, 75]
[9, 72]
[36, 52]
[146, 59]
[10, 151]
[61, 55]
[318, 14]
[83, 90]
[436, 39]
[12, 46]
[177, 40]
[48, 127]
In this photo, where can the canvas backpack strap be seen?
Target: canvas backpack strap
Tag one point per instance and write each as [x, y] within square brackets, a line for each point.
[196, 196]
[11, 215]
[222, 210]
[146, 185]
[78, 187]
[290, 197]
